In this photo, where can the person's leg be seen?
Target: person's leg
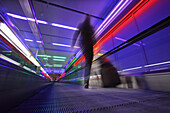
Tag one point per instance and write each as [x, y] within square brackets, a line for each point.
[87, 74]
[88, 58]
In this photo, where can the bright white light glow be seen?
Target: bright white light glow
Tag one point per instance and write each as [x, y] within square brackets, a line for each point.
[44, 72]
[78, 54]
[29, 69]
[42, 22]
[57, 44]
[16, 16]
[157, 64]
[28, 40]
[45, 58]
[167, 62]
[99, 54]
[57, 65]
[132, 68]
[63, 45]
[63, 26]
[9, 35]
[9, 60]
[58, 59]
[76, 47]
[38, 41]
[31, 19]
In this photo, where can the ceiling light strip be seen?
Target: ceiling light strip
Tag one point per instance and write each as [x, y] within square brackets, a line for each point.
[48, 56]
[63, 45]
[28, 40]
[41, 21]
[59, 60]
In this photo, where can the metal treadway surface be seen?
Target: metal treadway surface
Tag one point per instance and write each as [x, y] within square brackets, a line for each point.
[69, 98]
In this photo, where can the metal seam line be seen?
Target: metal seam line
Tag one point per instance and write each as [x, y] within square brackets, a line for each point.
[56, 5]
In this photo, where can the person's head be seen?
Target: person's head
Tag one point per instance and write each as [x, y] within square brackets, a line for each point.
[87, 19]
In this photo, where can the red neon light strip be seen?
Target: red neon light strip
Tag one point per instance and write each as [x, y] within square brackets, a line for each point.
[12, 47]
[61, 75]
[45, 75]
[118, 24]
[82, 58]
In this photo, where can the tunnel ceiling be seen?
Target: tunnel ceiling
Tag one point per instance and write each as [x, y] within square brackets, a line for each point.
[52, 13]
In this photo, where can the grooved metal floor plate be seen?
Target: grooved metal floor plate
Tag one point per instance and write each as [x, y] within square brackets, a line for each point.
[68, 98]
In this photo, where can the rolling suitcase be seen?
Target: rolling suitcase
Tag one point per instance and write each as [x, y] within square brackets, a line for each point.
[109, 74]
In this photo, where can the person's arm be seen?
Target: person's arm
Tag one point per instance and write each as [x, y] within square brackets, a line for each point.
[75, 36]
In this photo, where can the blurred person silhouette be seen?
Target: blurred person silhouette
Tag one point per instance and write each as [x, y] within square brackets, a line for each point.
[86, 43]
[109, 75]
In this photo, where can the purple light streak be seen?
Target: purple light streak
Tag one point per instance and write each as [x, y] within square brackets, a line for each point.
[125, 41]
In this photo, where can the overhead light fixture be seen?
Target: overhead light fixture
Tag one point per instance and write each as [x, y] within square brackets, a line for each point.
[57, 65]
[58, 59]
[29, 40]
[41, 21]
[31, 19]
[63, 26]
[64, 45]
[49, 56]
[61, 45]
[39, 41]
[45, 58]
[48, 65]
[17, 16]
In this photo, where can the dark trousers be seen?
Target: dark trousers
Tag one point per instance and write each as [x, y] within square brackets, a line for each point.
[88, 59]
